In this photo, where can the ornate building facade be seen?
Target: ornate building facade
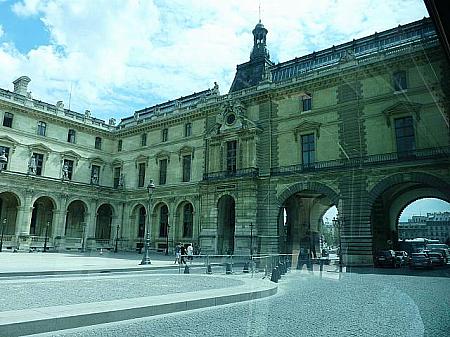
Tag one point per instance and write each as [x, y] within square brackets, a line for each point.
[362, 126]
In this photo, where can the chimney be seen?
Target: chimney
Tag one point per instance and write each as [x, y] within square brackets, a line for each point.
[21, 85]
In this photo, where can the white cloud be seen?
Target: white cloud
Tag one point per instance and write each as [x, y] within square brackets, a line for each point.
[2, 32]
[125, 55]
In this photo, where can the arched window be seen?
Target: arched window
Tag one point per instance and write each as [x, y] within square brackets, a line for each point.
[188, 217]
[163, 220]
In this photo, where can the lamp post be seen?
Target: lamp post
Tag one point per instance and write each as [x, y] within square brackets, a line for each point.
[337, 222]
[46, 236]
[3, 160]
[146, 257]
[167, 239]
[83, 242]
[3, 229]
[251, 240]
[117, 238]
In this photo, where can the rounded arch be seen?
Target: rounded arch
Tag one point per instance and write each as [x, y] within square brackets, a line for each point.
[308, 186]
[42, 216]
[9, 204]
[181, 202]
[414, 177]
[226, 223]
[75, 218]
[105, 213]
[76, 198]
[391, 195]
[42, 196]
[300, 216]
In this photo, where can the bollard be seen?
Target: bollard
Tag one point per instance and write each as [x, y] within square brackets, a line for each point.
[245, 270]
[208, 269]
[228, 269]
[321, 265]
[186, 269]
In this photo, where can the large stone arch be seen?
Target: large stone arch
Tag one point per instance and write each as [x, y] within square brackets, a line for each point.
[300, 210]
[388, 197]
[137, 224]
[226, 223]
[43, 215]
[9, 206]
[76, 216]
[105, 214]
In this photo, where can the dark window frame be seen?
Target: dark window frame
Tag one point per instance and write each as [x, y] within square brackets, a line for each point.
[165, 135]
[188, 129]
[141, 174]
[308, 148]
[188, 220]
[8, 118]
[400, 81]
[163, 171]
[144, 139]
[405, 139]
[70, 165]
[71, 136]
[119, 145]
[116, 176]
[186, 168]
[306, 102]
[163, 221]
[98, 143]
[39, 158]
[231, 158]
[42, 128]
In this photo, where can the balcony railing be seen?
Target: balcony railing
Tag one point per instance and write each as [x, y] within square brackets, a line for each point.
[242, 173]
[372, 160]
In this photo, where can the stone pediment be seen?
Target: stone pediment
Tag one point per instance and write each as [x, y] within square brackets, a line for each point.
[96, 161]
[11, 142]
[141, 159]
[232, 117]
[39, 148]
[186, 150]
[162, 155]
[401, 108]
[117, 162]
[70, 153]
[307, 126]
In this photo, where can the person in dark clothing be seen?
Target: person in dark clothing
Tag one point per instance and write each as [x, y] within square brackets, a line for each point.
[183, 254]
[304, 258]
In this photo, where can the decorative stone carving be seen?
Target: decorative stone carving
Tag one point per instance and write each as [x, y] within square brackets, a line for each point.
[112, 121]
[65, 172]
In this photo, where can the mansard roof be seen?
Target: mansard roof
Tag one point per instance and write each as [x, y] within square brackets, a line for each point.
[422, 30]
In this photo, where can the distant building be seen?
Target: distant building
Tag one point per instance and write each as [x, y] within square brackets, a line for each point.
[432, 226]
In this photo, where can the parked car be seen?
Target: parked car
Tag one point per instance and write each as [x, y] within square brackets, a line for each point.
[402, 257]
[436, 258]
[442, 251]
[386, 258]
[420, 260]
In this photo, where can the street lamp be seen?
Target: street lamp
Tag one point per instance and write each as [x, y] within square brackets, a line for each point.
[146, 257]
[337, 223]
[251, 240]
[167, 239]
[46, 236]
[3, 229]
[117, 238]
[3, 160]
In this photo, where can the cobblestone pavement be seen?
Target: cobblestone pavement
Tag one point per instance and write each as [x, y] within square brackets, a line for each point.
[365, 303]
[16, 294]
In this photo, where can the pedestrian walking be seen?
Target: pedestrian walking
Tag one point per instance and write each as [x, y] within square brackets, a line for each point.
[183, 254]
[177, 253]
[190, 253]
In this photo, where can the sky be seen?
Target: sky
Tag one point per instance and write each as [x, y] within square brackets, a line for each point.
[117, 56]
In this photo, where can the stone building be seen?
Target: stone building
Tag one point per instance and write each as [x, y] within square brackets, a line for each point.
[435, 226]
[362, 126]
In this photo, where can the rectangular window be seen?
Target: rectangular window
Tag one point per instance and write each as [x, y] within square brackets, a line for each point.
[6, 149]
[8, 119]
[308, 149]
[71, 136]
[98, 143]
[116, 177]
[144, 139]
[400, 81]
[68, 164]
[95, 174]
[42, 128]
[162, 171]
[404, 135]
[187, 168]
[141, 175]
[306, 102]
[39, 160]
[231, 156]
[165, 135]
[188, 129]
[119, 145]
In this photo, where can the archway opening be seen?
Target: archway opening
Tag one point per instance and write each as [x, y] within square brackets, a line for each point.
[42, 217]
[225, 225]
[104, 220]
[75, 219]
[301, 224]
[388, 206]
[427, 218]
[9, 202]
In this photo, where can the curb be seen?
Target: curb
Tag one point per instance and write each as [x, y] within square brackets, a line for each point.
[40, 320]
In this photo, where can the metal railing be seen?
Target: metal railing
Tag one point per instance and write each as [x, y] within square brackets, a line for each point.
[247, 172]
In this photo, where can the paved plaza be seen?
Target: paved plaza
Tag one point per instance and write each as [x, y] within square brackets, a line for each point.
[361, 302]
